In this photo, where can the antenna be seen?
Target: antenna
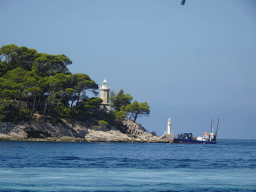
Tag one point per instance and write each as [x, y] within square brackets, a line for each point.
[211, 125]
[217, 131]
[217, 126]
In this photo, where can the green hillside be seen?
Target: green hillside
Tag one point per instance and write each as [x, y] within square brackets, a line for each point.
[39, 86]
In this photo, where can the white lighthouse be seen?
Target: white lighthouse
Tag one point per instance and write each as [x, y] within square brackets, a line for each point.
[169, 126]
[169, 135]
[104, 95]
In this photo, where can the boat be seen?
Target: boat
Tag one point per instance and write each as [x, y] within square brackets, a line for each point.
[208, 138]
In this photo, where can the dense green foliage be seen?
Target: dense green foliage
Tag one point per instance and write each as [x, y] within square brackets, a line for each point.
[135, 109]
[39, 83]
[122, 106]
[120, 99]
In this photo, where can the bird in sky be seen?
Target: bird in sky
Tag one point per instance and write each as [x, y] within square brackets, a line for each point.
[182, 2]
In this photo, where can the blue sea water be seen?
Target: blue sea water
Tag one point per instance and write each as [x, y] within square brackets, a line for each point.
[230, 165]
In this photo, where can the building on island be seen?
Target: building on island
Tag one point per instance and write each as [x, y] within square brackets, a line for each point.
[104, 95]
[169, 126]
[169, 135]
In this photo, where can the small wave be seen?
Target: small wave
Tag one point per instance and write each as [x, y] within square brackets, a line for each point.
[68, 158]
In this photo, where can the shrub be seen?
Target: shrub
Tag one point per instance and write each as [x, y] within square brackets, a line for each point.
[102, 122]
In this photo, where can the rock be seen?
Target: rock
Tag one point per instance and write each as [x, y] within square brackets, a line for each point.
[65, 131]
[14, 131]
[110, 136]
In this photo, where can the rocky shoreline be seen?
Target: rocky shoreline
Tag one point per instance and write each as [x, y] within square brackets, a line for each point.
[87, 131]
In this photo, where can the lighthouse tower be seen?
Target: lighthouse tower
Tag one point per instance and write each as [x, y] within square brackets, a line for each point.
[169, 126]
[169, 135]
[104, 95]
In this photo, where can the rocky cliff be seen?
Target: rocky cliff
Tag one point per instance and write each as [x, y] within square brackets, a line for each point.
[127, 131]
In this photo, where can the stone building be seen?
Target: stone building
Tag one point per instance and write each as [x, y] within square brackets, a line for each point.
[104, 95]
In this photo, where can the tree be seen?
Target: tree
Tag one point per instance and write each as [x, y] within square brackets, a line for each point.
[32, 87]
[91, 105]
[10, 54]
[119, 115]
[42, 82]
[120, 99]
[82, 83]
[136, 109]
[12, 85]
[70, 93]
[3, 68]
[50, 65]
[53, 86]
[26, 57]
[59, 112]
[57, 85]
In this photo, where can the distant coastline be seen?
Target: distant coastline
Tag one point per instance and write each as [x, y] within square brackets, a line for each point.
[76, 140]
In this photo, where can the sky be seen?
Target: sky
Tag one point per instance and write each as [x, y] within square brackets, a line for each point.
[192, 62]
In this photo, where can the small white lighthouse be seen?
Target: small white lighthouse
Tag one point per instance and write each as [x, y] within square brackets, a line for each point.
[169, 126]
[104, 95]
[169, 135]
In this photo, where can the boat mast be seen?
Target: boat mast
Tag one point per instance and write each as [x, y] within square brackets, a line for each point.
[216, 131]
[211, 126]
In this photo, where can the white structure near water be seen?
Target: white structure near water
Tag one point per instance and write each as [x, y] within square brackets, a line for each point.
[169, 135]
[104, 95]
[169, 126]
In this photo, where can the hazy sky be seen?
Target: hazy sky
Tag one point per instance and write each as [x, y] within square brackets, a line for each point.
[193, 62]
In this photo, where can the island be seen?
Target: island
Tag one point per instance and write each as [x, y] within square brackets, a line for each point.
[41, 100]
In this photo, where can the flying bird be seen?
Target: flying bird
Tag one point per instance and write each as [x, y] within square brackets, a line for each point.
[183, 2]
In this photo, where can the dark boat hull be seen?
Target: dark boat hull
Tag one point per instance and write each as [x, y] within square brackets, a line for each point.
[194, 141]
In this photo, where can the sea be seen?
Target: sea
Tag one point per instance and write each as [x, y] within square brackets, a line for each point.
[230, 165]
